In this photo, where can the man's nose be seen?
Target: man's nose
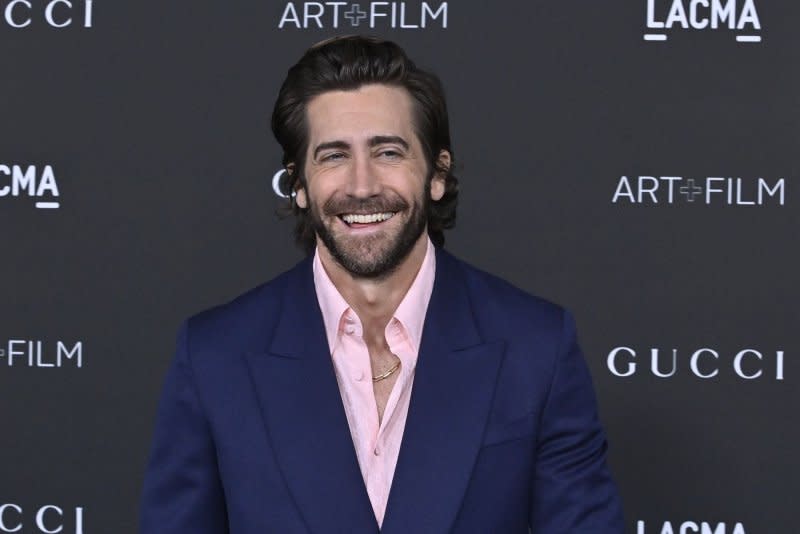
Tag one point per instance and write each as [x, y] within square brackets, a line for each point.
[364, 181]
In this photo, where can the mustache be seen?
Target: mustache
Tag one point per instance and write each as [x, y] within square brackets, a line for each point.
[379, 204]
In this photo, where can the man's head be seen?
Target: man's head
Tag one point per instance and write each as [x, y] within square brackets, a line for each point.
[365, 132]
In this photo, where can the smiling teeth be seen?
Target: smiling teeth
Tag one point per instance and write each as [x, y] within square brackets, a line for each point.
[366, 219]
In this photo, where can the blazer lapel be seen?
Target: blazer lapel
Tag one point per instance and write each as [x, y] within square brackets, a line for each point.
[306, 423]
[452, 393]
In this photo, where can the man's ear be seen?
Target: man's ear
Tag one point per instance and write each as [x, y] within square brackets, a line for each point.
[438, 181]
[300, 193]
[300, 198]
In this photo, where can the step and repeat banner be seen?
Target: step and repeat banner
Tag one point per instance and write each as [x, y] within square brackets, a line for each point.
[633, 160]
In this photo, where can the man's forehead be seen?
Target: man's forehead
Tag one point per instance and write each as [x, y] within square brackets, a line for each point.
[340, 119]
[367, 103]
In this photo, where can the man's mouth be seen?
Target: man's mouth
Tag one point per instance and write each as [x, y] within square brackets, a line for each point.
[360, 219]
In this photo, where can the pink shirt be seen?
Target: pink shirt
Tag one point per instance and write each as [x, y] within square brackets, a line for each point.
[376, 445]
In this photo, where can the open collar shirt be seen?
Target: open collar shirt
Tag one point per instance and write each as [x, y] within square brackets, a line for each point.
[376, 444]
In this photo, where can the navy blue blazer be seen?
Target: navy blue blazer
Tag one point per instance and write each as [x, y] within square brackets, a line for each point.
[502, 432]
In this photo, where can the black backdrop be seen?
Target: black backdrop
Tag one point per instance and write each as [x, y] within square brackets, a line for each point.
[639, 172]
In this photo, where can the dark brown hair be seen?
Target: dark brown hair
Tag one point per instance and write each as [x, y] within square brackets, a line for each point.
[347, 63]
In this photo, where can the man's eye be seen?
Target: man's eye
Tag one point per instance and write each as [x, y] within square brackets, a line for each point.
[391, 154]
[335, 156]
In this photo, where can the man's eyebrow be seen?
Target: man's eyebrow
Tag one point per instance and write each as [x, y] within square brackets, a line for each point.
[387, 139]
[330, 144]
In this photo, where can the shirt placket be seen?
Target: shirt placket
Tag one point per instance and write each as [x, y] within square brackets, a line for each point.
[353, 359]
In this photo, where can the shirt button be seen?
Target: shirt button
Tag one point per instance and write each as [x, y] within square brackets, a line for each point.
[377, 451]
[359, 376]
[349, 330]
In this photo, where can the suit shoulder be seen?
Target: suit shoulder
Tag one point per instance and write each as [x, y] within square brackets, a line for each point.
[244, 320]
[499, 299]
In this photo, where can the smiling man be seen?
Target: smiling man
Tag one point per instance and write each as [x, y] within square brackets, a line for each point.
[382, 384]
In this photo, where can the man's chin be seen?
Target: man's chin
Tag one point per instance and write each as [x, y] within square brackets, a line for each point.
[366, 262]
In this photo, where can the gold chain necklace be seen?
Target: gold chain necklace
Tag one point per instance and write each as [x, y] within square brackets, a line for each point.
[388, 373]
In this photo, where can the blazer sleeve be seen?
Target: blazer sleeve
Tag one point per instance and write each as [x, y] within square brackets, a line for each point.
[572, 487]
[182, 489]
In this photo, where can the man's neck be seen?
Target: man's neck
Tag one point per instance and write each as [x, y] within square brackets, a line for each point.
[375, 300]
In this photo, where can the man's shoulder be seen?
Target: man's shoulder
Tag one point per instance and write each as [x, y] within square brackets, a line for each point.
[511, 296]
[246, 319]
[498, 300]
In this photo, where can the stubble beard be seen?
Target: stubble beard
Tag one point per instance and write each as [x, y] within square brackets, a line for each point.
[376, 255]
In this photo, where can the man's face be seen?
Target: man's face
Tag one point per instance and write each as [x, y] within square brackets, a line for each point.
[366, 178]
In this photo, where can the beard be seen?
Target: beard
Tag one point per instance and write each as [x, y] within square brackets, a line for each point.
[377, 254]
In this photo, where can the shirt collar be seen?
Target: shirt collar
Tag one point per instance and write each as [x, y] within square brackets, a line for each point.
[410, 312]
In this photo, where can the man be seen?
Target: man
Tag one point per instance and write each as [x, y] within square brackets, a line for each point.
[381, 384]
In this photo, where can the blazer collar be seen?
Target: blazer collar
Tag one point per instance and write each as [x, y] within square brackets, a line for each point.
[455, 324]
